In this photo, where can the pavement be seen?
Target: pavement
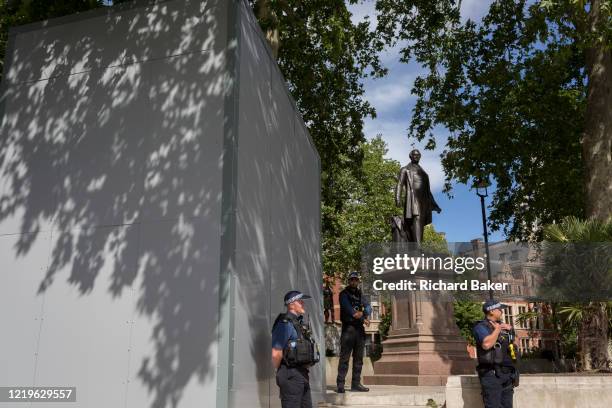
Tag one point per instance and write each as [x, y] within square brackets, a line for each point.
[388, 396]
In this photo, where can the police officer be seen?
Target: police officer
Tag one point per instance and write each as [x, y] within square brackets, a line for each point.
[495, 351]
[354, 313]
[293, 351]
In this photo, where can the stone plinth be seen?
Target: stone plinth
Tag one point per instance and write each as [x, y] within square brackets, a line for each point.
[424, 346]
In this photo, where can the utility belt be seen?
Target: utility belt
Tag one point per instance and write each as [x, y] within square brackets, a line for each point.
[499, 371]
[303, 369]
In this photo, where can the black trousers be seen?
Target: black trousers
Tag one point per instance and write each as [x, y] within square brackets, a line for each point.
[352, 340]
[294, 387]
[497, 390]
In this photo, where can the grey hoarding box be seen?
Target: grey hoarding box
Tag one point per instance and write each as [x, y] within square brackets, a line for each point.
[159, 194]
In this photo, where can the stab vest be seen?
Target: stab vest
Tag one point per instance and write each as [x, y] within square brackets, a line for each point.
[346, 316]
[496, 355]
[302, 352]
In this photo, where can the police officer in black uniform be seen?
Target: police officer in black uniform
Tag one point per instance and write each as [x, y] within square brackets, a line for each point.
[496, 355]
[293, 351]
[354, 313]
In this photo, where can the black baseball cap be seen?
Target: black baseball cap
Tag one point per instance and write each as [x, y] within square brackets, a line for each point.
[294, 295]
[492, 304]
[353, 275]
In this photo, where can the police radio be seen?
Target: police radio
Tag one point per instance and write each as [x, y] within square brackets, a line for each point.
[511, 335]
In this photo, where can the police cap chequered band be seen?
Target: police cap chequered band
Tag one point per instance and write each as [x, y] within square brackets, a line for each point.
[294, 298]
[494, 306]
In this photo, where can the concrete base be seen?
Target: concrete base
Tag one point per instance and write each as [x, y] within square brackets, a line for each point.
[331, 370]
[559, 391]
[389, 396]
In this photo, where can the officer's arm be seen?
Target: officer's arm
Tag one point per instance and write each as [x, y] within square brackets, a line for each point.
[280, 337]
[277, 357]
[490, 340]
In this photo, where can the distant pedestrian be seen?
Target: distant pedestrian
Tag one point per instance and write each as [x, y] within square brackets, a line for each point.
[328, 301]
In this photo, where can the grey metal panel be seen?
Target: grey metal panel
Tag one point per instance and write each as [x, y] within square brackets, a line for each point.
[28, 178]
[183, 154]
[173, 351]
[151, 32]
[21, 308]
[84, 339]
[309, 244]
[277, 211]
[251, 380]
[101, 158]
[133, 318]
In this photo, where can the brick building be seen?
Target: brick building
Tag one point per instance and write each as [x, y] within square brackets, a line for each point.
[516, 264]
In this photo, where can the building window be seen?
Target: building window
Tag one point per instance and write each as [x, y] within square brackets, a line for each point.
[522, 324]
[524, 344]
[375, 312]
[515, 255]
[502, 258]
[508, 315]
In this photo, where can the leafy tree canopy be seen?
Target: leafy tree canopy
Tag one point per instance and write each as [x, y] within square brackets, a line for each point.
[511, 90]
[369, 202]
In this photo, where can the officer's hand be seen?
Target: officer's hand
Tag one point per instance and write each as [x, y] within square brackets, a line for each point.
[496, 326]
[358, 314]
[506, 326]
[366, 322]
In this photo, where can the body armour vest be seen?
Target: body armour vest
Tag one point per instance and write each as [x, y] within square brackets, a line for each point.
[302, 352]
[346, 316]
[497, 355]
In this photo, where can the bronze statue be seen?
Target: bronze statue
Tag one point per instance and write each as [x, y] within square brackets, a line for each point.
[419, 201]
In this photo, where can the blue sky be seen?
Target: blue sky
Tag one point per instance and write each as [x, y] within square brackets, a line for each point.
[461, 218]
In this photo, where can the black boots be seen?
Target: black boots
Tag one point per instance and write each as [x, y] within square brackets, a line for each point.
[356, 387]
[359, 388]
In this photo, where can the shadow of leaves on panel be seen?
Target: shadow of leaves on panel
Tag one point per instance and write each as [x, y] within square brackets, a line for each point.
[121, 133]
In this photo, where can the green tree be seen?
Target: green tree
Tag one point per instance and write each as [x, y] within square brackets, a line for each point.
[467, 313]
[433, 241]
[592, 318]
[369, 202]
[18, 12]
[524, 97]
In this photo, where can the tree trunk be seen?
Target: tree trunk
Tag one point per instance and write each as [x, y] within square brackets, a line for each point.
[597, 138]
[593, 338]
[266, 16]
[597, 156]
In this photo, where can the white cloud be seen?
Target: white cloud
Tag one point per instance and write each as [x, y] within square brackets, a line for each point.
[395, 134]
[390, 93]
[474, 9]
[360, 10]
